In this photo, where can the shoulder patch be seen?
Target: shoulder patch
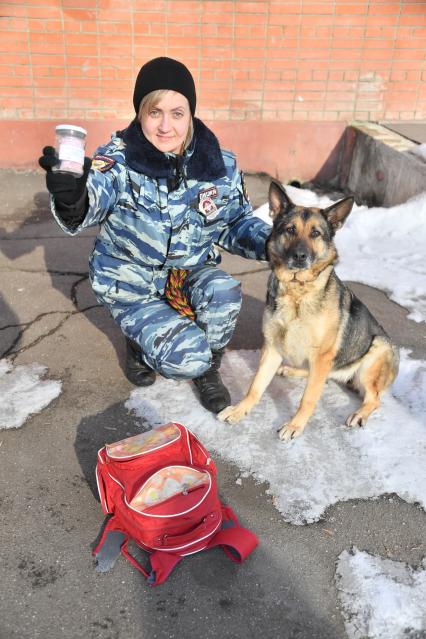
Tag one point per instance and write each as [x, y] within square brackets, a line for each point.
[102, 163]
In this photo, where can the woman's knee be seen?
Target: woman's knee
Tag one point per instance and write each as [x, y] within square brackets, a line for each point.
[181, 353]
[217, 288]
[181, 364]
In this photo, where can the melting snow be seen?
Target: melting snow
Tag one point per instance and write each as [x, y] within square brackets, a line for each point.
[23, 392]
[381, 598]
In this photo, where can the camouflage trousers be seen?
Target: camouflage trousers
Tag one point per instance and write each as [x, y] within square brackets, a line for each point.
[176, 346]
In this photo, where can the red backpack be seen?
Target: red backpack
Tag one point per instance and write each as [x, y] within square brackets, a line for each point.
[159, 489]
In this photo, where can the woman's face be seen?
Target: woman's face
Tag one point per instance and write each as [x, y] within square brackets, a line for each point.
[166, 124]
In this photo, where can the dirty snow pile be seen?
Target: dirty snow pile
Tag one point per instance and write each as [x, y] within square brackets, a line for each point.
[23, 392]
[381, 247]
[381, 598]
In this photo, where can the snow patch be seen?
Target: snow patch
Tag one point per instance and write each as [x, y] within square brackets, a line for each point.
[381, 598]
[23, 392]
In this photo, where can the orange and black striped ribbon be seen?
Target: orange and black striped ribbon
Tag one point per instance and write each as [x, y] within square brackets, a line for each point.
[174, 292]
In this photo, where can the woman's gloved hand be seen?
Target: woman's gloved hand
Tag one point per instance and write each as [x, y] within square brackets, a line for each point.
[65, 187]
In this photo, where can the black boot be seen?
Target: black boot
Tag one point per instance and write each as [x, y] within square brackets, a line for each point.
[137, 372]
[213, 394]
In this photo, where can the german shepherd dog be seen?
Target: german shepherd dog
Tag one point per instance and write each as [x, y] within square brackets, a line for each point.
[312, 320]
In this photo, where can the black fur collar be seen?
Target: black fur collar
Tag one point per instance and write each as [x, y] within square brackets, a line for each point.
[203, 159]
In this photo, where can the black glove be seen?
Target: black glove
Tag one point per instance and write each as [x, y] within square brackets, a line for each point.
[69, 192]
[65, 187]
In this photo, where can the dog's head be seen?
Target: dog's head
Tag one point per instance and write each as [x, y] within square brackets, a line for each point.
[302, 237]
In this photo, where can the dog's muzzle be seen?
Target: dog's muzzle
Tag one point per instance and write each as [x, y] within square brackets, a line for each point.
[299, 258]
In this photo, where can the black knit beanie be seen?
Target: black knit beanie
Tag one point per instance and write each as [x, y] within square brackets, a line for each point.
[164, 73]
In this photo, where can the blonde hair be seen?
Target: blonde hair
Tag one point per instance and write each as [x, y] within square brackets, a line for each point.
[151, 100]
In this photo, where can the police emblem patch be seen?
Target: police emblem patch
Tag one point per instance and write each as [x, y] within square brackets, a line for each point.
[102, 163]
[206, 203]
[207, 207]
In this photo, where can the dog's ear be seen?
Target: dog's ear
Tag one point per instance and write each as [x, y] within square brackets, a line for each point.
[337, 213]
[279, 202]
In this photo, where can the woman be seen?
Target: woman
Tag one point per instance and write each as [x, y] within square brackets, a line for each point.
[165, 196]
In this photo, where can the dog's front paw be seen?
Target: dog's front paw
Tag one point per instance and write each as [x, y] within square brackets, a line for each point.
[290, 371]
[356, 419]
[232, 414]
[289, 431]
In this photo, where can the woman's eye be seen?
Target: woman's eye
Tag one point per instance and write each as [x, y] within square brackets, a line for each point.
[153, 113]
[178, 115]
[315, 233]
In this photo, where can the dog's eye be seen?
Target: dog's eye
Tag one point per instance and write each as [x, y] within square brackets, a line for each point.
[290, 230]
[315, 233]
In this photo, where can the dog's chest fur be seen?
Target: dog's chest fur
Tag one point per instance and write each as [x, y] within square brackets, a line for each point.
[294, 321]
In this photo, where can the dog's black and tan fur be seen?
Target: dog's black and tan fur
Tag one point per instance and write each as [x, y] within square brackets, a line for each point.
[312, 320]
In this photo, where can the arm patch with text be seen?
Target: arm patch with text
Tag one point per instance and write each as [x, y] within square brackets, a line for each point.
[102, 163]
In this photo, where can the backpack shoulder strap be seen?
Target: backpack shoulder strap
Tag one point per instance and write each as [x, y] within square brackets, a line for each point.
[236, 542]
[162, 564]
[107, 546]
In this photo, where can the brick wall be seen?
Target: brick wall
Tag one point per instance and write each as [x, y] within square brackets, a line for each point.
[263, 61]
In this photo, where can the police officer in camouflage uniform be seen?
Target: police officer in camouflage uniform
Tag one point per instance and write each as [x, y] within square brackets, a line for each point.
[165, 196]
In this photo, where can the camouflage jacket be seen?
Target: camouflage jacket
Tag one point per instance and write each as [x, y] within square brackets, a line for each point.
[160, 211]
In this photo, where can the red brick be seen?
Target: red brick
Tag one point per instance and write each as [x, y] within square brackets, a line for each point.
[256, 56]
[306, 86]
[14, 24]
[13, 10]
[293, 7]
[44, 13]
[346, 54]
[283, 20]
[414, 75]
[384, 8]
[343, 87]
[320, 8]
[220, 18]
[379, 44]
[411, 43]
[306, 43]
[349, 21]
[413, 8]
[413, 20]
[218, 7]
[360, 8]
[251, 7]
[409, 54]
[347, 43]
[383, 20]
[380, 32]
[376, 54]
[316, 21]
